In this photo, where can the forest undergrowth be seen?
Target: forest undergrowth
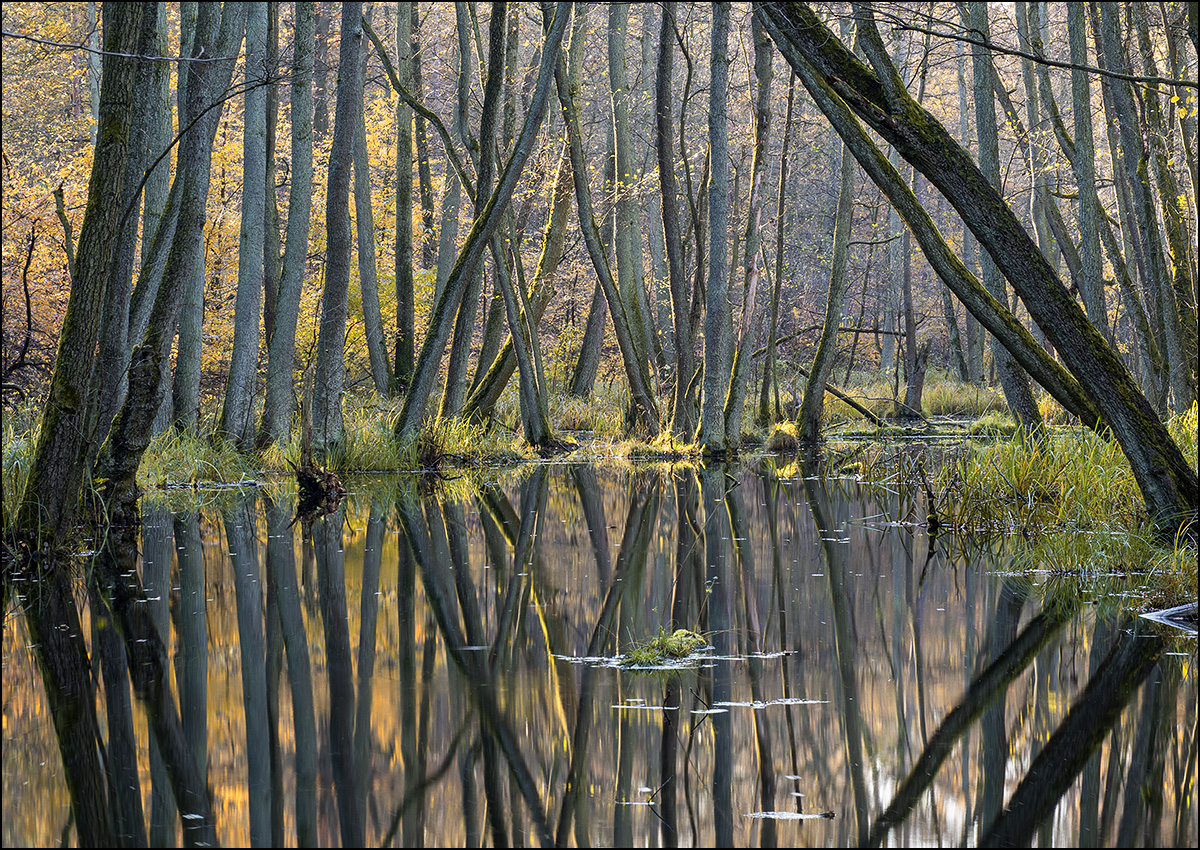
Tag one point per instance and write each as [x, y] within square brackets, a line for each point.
[1069, 502]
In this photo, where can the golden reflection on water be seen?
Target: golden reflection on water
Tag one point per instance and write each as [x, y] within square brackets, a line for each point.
[836, 655]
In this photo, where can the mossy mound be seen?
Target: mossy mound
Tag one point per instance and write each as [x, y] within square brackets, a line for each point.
[664, 647]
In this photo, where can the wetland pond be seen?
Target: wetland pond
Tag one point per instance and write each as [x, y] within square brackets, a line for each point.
[441, 666]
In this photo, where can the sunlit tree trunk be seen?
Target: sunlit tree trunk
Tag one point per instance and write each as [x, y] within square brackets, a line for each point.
[281, 354]
[237, 420]
[331, 342]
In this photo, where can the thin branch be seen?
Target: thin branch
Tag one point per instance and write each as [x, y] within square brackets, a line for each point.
[979, 41]
[69, 46]
[420, 109]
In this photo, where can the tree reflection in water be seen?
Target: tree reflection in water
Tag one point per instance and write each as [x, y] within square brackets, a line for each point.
[442, 670]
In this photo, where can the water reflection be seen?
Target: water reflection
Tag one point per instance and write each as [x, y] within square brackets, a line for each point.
[442, 670]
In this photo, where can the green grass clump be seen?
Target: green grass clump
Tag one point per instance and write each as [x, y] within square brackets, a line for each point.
[994, 423]
[664, 647]
[186, 457]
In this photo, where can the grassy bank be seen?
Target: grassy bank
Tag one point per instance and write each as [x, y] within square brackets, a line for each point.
[1072, 501]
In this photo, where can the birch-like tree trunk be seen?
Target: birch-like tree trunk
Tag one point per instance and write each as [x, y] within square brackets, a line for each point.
[281, 353]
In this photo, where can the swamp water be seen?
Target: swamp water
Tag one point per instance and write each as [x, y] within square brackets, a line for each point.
[446, 670]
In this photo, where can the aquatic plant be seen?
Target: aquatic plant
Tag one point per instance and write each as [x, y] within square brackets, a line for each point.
[664, 647]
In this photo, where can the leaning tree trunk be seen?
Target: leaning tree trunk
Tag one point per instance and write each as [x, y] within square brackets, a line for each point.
[281, 351]
[331, 342]
[429, 361]
[51, 495]
[718, 352]
[878, 97]
[635, 370]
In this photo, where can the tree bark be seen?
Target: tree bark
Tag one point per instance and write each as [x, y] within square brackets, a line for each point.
[1013, 381]
[768, 399]
[485, 395]
[405, 330]
[272, 247]
[331, 342]
[122, 452]
[237, 420]
[683, 424]
[811, 408]
[429, 360]
[718, 354]
[1136, 161]
[51, 495]
[1167, 482]
[424, 175]
[735, 400]
[635, 370]
[281, 354]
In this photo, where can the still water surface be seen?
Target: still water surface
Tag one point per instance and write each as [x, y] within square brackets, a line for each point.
[445, 671]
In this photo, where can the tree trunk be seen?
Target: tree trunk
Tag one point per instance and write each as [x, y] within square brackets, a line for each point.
[325, 12]
[1012, 379]
[1091, 281]
[237, 420]
[1167, 482]
[635, 370]
[683, 424]
[424, 175]
[1135, 159]
[718, 352]
[975, 334]
[484, 397]
[122, 452]
[628, 249]
[405, 330]
[429, 360]
[331, 342]
[591, 347]
[809, 418]
[483, 149]
[272, 247]
[768, 399]
[735, 401]
[368, 267]
[281, 354]
[51, 495]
